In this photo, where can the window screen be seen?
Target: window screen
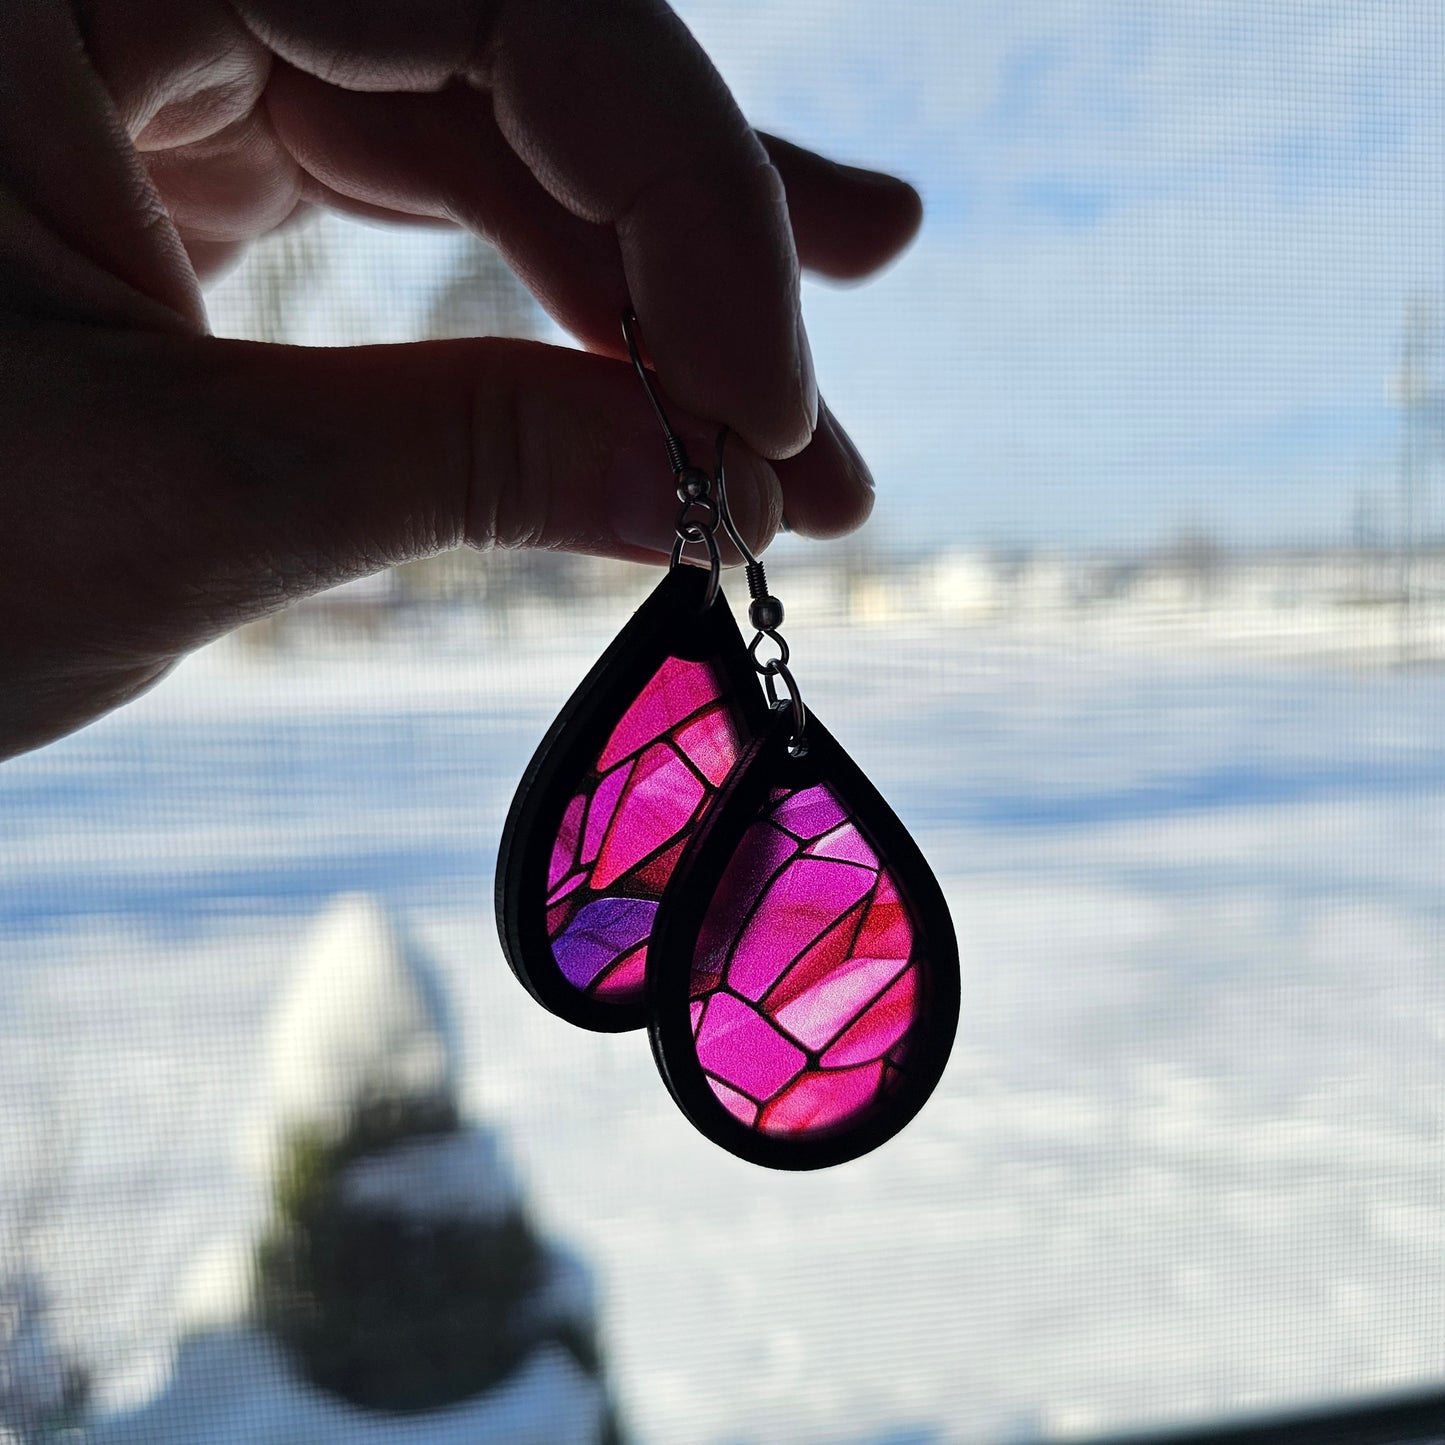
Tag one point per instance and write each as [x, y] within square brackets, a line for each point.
[1143, 644]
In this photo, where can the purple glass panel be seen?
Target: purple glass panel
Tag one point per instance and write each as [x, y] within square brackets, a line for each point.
[810, 812]
[600, 934]
[806, 972]
[622, 835]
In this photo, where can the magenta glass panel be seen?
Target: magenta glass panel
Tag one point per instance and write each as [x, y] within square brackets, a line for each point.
[672, 695]
[565, 848]
[763, 852]
[738, 1045]
[819, 1014]
[575, 881]
[738, 1105]
[799, 905]
[847, 844]
[711, 743]
[619, 980]
[880, 1026]
[604, 805]
[659, 800]
[821, 1098]
[886, 932]
[806, 975]
[623, 833]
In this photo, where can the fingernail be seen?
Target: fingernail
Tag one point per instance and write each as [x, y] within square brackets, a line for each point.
[851, 454]
[644, 504]
[881, 179]
[755, 498]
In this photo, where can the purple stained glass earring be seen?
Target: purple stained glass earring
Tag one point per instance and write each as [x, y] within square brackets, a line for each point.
[693, 852]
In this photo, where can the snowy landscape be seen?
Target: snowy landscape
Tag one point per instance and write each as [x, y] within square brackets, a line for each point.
[1144, 643]
[1185, 1161]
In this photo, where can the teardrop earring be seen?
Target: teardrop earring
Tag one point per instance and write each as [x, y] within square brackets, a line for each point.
[802, 974]
[625, 775]
[695, 853]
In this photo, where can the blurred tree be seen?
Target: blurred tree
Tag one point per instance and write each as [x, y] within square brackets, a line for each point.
[43, 1392]
[1198, 559]
[388, 1307]
[401, 1268]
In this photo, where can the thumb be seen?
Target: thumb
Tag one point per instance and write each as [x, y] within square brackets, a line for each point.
[324, 464]
[165, 489]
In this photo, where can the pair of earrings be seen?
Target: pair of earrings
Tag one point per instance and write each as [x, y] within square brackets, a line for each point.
[690, 852]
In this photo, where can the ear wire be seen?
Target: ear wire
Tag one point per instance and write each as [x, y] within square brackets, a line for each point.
[704, 505]
[676, 451]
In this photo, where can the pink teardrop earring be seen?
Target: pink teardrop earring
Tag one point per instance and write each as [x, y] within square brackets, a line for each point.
[693, 852]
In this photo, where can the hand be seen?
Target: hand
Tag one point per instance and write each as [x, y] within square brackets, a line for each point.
[161, 486]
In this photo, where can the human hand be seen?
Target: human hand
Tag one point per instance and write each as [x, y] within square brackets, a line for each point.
[161, 486]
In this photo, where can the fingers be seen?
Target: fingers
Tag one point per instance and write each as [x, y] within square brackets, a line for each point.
[827, 487]
[443, 156]
[621, 119]
[80, 223]
[171, 488]
[195, 484]
[847, 221]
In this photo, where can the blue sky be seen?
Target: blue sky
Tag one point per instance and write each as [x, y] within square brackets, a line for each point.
[1167, 259]
[1164, 273]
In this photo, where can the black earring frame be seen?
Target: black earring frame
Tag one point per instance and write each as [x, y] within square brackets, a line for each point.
[672, 622]
[769, 763]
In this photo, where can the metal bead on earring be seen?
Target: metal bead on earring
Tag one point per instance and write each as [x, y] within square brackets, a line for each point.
[766, 614]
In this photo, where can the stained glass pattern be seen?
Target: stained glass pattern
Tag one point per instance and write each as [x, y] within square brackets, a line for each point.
[805, 979]
[624, 831]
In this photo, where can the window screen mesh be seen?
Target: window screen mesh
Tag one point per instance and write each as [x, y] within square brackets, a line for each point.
[1142, 643]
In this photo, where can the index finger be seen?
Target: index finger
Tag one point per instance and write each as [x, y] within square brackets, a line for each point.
[618, 113]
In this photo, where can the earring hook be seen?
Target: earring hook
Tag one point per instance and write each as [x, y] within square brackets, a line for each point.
[676, 451]
[697, 522]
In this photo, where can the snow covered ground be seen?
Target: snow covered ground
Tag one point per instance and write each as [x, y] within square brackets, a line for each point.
[1186, 1158]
